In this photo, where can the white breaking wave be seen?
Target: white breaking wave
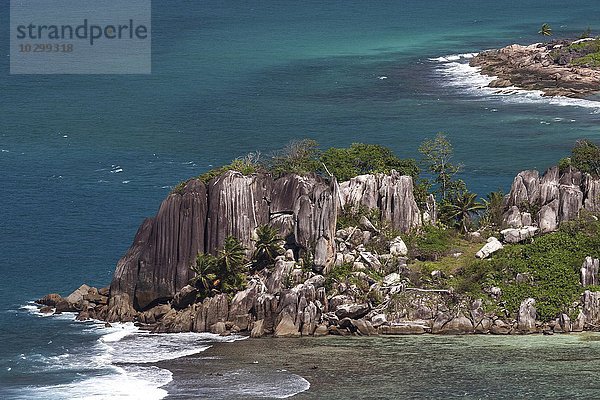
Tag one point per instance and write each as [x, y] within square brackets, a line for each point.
[123, 383]
[455, 72]
[118, 365]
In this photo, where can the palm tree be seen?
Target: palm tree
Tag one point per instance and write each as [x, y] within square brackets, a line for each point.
[232, 261]
[205, 273]
[546, 30]
[268, 246]
[462, 207]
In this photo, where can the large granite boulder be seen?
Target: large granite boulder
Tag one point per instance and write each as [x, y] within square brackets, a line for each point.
[391, 193]
[492, 246]
[589, 271]
[590, 310]
[558, 196]
[526, 317]
[156, 266]
[212, 310]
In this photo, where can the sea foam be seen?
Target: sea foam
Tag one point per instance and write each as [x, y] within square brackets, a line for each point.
[455, 72]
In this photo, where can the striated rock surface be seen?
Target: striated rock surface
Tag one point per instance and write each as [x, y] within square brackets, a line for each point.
[156, 266]
[556, 196]
[589, 271]
[392, 194]
[526, 316]
[237, 205]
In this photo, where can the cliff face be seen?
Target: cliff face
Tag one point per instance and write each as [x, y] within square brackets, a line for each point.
[392, 194]
[550, 199]
[201, 217]
[157, 264]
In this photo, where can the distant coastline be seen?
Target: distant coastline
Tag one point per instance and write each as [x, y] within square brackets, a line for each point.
[559, 68]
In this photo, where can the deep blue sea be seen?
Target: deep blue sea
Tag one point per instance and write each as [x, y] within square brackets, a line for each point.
[83, 159]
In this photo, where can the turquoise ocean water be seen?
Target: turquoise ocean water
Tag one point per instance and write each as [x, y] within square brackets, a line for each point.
[84, 158]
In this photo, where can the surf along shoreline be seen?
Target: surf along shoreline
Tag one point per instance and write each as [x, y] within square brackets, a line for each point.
[558, 68]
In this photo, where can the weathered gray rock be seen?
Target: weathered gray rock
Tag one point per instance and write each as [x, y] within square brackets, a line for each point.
[371, 260]
[50, 299]
[212, 310]
[363, 327]
[378, 320]
[526, 317]
[321, 330]
[258, 330]
[279, 274]
[589, 271]
[558, 196]
[513, 218]
[447, 325]
[492, 246]
[77, 296]
[176, 321]
[157, 264]
[154, 314]
[398, 247]
[243, 302]
[591, 309]
[591, 194]
[392, 279]
[525, 189]
[352, 311]
[563, 324]
[404, 328]
[185, 297]
[517, 235]
[548, 218]
[120, 308]
[392, 194]
[218, 328]
[500, 327]
[286, 328]
[579, 324]
[315, 217]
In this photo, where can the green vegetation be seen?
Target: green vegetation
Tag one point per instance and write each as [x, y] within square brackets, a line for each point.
[431, 243]
[545, 30]
[360, 158]
[494, 207]
[223, 273]
[545, 268]
[268, 246]
[586, 53]
[585, 34]
[298, 157]
[303, 157]
[246, 166]
[590, 60]
[585, 156]
[437, 157]
[350, 216]
[461, 208]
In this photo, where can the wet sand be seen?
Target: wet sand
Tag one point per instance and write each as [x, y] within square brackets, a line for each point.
[405, 367]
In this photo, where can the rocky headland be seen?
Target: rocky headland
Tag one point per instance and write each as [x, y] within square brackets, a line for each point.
[352, 278]
[559, 68]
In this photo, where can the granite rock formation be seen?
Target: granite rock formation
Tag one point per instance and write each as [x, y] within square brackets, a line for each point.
[536, 67]
[199, 217]
[546, 201]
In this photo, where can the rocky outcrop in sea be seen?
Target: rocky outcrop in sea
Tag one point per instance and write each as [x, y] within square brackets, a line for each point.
[151, 282]
[542, 66]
